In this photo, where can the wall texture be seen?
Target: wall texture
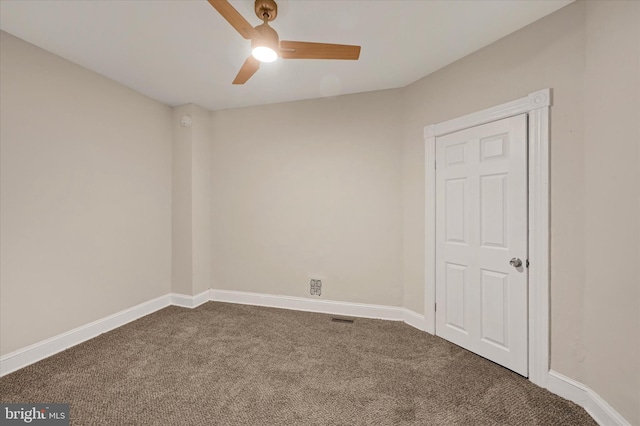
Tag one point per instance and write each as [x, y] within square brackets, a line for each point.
[85, 208]
[310, 188]
[588, 54]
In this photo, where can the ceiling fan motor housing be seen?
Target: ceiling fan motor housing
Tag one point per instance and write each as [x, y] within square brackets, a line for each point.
[268, 37]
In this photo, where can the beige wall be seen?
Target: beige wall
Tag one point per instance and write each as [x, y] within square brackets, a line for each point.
[85, 207]
[202, 140]
[191, 222]
[588, 53]
[181, 220]
[611, 327]
[310, 188]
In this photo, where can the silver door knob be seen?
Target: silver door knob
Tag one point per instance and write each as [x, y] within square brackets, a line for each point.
[515, 262]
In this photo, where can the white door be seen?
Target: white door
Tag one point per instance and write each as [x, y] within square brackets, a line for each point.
[481, 225]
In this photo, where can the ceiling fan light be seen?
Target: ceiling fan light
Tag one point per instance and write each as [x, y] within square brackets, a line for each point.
[264, 54]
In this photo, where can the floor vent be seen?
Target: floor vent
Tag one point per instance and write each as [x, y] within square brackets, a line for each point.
[344, 320]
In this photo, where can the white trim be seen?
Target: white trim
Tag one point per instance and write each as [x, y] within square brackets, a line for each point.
[582, 395]
[430, 229]
[413, 319]
[536, 105]
[560, 385]
[191, 302]
[38, 351]
[535, 100]
[22, 357]
[309, 305]
[539, 229]
[362, 310]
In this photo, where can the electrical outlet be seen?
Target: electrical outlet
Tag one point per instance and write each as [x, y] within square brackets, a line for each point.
[315, 287]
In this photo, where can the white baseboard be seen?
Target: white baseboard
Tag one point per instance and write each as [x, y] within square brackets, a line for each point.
[186, 301]
[38, 351]
[557, 383]
[22, 357]
[563, 386]
[362, 310]
[582, 395]
[414, 319]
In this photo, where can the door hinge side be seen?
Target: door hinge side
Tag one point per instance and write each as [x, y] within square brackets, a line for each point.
[527, 263]
[435, 307]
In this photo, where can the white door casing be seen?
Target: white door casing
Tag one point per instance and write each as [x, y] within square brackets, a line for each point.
[537, 107]
[481, 224]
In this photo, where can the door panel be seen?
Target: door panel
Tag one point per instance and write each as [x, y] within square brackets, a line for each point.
[494, 296]
[455, 289]
[493, 209]
[481, 223]
[455, 210]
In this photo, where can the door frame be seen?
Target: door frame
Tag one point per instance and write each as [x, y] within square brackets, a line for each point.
[537, 107]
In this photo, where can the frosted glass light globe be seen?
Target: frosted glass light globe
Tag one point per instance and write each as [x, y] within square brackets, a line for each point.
[264, 54]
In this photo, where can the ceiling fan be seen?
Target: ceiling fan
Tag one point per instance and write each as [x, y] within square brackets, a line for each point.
[267, 46]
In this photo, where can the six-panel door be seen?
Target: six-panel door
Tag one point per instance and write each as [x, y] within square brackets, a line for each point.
[481, 224]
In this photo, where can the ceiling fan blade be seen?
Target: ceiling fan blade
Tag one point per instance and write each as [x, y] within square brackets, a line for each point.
[248, 69]
[306, 50]
[236, 20]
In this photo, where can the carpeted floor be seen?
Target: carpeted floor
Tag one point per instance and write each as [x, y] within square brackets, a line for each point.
[224, 364]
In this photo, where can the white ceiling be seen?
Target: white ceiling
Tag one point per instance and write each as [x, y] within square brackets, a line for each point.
[180, 52]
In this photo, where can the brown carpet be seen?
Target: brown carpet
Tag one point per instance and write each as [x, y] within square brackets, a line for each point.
[224, 364]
